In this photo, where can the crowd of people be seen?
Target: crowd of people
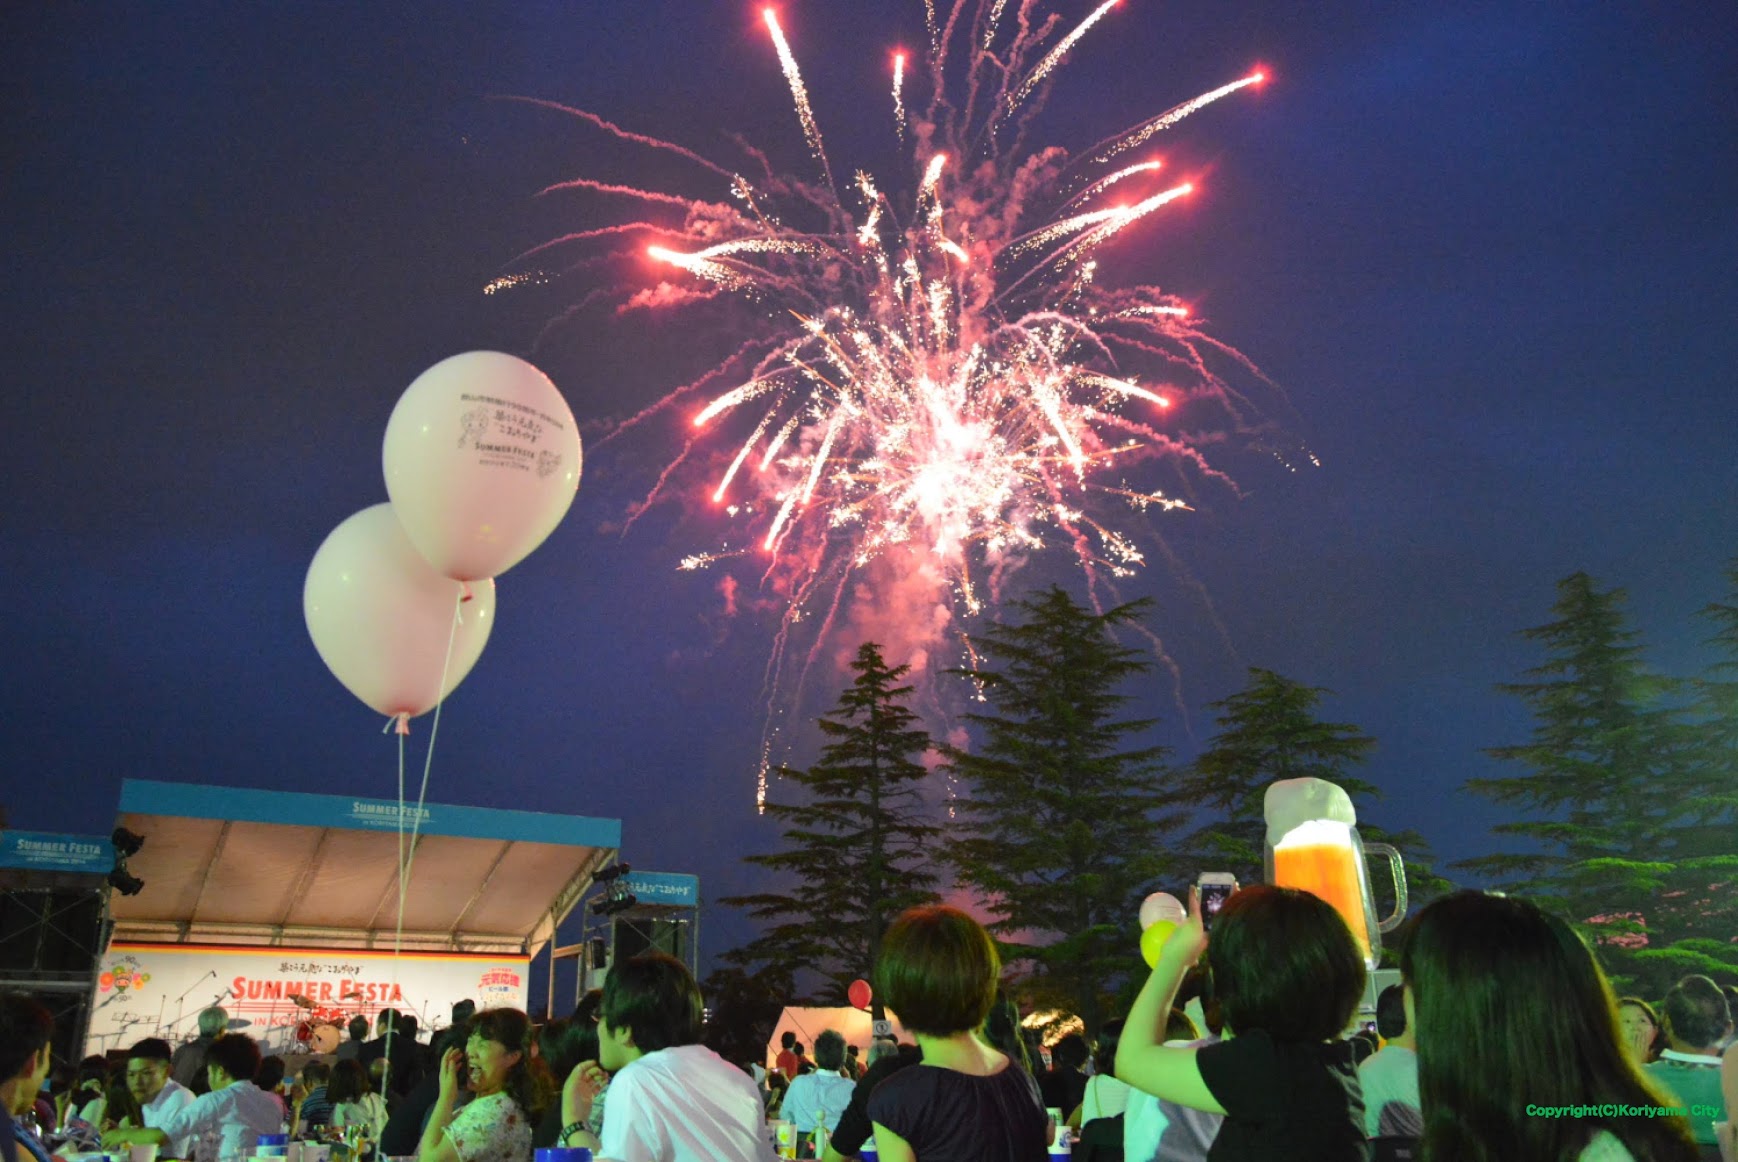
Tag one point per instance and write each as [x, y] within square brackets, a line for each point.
[1502, 1041]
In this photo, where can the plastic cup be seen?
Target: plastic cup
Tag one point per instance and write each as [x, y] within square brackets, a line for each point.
[143, 1152]
[564, 1154]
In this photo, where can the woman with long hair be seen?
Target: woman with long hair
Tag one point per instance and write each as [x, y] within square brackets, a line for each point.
[354, 1102]
[1288, 977]
[511, 1090]
[967, 1101]
[120, 1108]
[1519, 1053]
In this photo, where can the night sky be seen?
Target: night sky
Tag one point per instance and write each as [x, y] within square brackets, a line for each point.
[1490, 250]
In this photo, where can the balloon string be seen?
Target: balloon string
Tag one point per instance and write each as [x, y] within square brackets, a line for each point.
[406, 859]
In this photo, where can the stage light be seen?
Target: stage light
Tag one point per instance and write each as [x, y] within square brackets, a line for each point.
[126, 843]
[124, 881]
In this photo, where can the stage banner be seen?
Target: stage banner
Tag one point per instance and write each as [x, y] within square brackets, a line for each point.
[292, 1000]
[45, 851]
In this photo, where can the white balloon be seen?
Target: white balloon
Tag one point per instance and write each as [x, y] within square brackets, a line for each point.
[1161, 906]
[482, 461]
[380, 616]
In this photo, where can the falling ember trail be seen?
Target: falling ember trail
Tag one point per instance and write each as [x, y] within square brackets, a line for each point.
[933, 382]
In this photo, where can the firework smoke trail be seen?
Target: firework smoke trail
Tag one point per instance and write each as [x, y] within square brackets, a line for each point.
[929, 392]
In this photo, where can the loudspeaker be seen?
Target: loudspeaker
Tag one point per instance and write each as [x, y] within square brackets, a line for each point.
[598, 952]
[641, 935]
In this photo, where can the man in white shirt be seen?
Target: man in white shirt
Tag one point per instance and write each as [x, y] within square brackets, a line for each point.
[1389, 1077]
[158, 1094]
[227, 1121]
[822, 1095]
[671, 1099]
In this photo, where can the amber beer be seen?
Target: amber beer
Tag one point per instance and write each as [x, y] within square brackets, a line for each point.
[1331, 872]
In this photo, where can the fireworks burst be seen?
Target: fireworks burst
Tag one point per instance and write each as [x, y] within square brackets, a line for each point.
[941, 383]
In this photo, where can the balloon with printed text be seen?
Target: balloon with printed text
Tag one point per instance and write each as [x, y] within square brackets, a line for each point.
[482, 460]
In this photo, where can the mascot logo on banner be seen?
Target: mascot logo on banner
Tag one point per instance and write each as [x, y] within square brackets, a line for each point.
[124, 974]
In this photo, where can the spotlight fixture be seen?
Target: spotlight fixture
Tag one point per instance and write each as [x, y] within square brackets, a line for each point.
[126, 843]
[614, 871]
[123, 881]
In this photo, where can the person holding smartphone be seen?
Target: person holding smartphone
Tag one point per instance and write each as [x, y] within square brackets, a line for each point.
[1288, 976]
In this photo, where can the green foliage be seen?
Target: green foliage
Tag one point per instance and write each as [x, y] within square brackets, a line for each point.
[859, 849]
[742, 1010]
[1060, 810]
[1625, 797]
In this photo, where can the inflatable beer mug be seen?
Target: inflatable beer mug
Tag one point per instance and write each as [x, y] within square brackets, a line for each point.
[1313, 844]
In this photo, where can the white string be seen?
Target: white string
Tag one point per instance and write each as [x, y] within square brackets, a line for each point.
[408, 858]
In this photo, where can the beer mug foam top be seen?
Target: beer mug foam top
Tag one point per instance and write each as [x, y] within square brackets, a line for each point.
[1313, 844]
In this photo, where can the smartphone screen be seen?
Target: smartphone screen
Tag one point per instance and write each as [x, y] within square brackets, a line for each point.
[1213, 897]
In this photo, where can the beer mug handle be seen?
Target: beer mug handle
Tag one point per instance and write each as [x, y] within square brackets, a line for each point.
[1396, 868]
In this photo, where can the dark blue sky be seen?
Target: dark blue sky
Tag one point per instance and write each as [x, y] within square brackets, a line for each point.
[1490, 250]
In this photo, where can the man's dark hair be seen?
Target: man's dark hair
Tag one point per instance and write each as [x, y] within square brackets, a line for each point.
[25, 1027]
[358, 1028]
[938, 970]
[1695, 1012]
[463, 1011]
[270, 1073]
[830, 1050]
[787, 1038]
[151, 1049]
[387, 1019]
[1284, 962]
[316, 1074]
[1391, 1012]
[1104, 1053]
[654, 997]
[1070, 1053]
[236, 1054]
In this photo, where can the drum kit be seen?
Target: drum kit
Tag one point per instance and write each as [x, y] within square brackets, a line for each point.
[321, 1028]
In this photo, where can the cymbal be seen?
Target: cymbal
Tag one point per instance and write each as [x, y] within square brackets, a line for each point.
[238, 1023]
[301, 1002]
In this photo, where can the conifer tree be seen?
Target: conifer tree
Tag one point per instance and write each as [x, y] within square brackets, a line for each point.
[859, 847]
[1618, 787]
[1270, 731]
[1059, 797]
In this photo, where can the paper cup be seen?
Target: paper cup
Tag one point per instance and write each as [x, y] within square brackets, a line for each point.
[143, 1152]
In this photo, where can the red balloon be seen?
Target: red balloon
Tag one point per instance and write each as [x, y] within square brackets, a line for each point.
[859, 994]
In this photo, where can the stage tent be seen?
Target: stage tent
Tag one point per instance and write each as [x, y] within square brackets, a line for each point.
[223, 865]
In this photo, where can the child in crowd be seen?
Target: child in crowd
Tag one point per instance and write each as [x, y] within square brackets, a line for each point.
[1288, 976]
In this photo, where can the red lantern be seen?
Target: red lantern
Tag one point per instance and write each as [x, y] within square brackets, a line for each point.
[859, 994]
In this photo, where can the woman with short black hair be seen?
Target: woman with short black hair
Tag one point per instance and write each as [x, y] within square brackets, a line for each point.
[966, 1101]
[1288, 976]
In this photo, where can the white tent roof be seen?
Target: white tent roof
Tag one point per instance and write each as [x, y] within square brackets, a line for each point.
[226, 865]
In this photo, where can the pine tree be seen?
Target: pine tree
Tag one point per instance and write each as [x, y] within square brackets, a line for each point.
[1060, 803]
[859, 848]
[1267, 732]
[1620, 839]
